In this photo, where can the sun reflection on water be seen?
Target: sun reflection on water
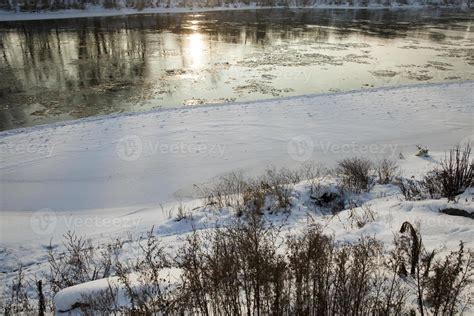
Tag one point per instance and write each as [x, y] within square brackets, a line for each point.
[195, 50]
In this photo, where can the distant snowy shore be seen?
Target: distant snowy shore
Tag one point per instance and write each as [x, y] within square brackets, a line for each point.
[99, 11]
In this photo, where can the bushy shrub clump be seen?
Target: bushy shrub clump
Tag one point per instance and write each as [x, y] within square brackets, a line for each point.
[355, 174]
[452, 177]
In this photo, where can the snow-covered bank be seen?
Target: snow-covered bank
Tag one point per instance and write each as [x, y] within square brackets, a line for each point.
[379, 214]
[27, 237]
[440, 232]
[95, 11]
[158, 157]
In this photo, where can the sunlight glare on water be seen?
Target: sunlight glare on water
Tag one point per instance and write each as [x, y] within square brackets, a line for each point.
[57, 70]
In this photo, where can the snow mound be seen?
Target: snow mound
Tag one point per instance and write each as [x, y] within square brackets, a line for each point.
[69, 300]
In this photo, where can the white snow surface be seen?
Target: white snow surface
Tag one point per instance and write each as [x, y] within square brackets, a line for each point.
[67, 298]
[86, 177]
[158, 156]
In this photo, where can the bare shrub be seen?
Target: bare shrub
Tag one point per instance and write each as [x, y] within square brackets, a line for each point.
[439, 284]
[248, 267]
[313, 173]
[392, 292]
[386, 170]
[279, 184]
[228, 190]
[239, 272]
[354, 174]
[147, 293]
[410, 188]
[182, 213]
[253, 199]
[80, 262]
[327, 279]
[140, 281]
[168, 213]
[354, 275]
[104, 301]
[449, 281]
[310, 259]
[431, 185]
[18, 301]
[455, 174]
[194, 288]
[331, 280]
[250, 195]
[359, 217]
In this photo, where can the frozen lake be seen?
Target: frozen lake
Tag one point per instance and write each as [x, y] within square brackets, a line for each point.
[58, 70]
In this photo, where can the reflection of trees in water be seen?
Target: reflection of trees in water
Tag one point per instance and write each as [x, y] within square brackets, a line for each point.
[61, 68]
[117, 56]
[75, 54]
[88, 56]
[9, 84]
[102, 56]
